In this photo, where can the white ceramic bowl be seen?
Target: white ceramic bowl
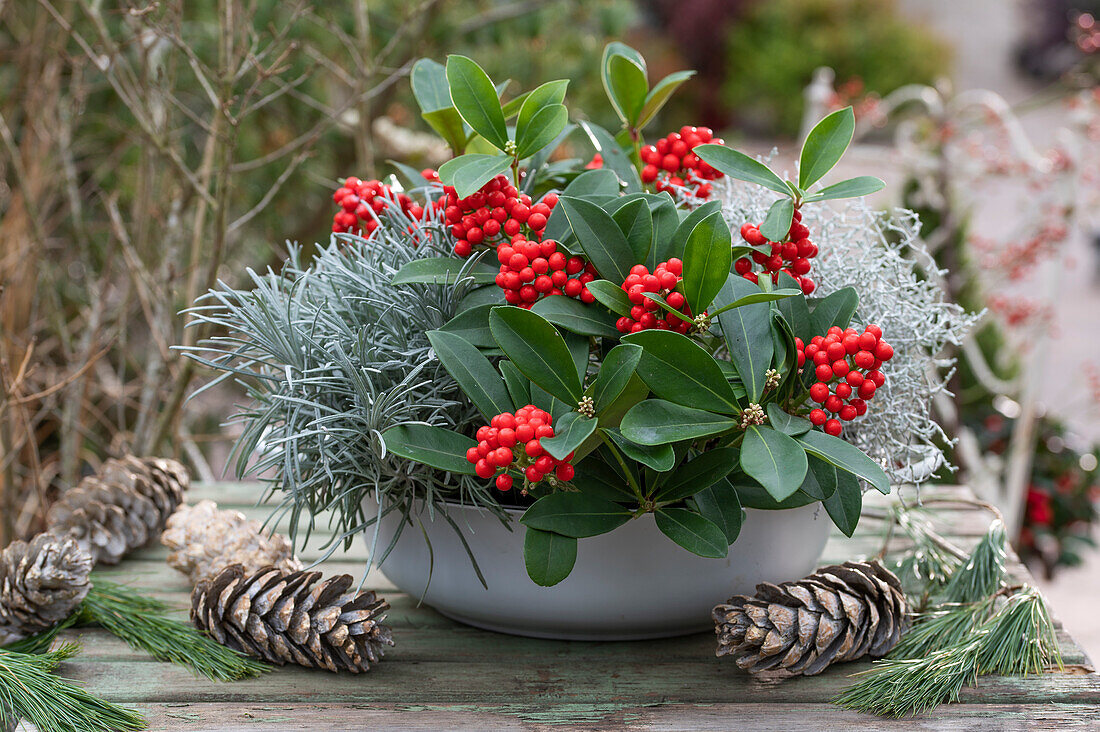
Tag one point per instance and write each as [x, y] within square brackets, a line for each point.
[631, 583]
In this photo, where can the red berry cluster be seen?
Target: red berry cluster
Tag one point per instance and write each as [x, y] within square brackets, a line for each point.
[792, 255]
[850, 359]
[645, 313]
[361, 200]
[513, 442]
[531, 270]
[494, 214]
[670, 162]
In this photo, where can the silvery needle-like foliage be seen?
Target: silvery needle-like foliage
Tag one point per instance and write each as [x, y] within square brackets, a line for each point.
[881, 255]
[331, 355]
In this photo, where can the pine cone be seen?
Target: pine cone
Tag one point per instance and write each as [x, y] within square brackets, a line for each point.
[41, 584]
[839, 613]
[205, 541]
[120, 508]
[287, 617]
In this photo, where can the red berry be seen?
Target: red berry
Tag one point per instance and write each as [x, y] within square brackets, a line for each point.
[848, 413]
[864, 359]
[484, 469]
[883, 351]
[818, 417]
[833, 427]
[824, 372]
[533, 474]
[565, 472]
[504, 482]
[866, 389]
[819, 392]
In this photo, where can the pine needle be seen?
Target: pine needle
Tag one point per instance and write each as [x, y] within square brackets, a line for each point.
[943, 626]
[29, 690]
[1022, 641]
[984, 571]
[143, 623]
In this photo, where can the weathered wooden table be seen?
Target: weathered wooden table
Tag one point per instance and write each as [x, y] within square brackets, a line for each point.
[442, 675]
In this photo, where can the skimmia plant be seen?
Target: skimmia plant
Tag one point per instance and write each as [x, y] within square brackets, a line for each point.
[520, 329]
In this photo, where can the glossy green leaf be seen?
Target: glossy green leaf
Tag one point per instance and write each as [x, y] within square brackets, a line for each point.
[692, 532]
[676, 368]
[821, 479]
[468, 173]
[476, 99]
[778, 221]
[665, 222]
[575, 514]
[481, 295]
[774, 460]
[444, 271]
[628, 87]
[756, 297]
[569, 432]
[543, 128]
[610, 51]
[615, 372]
[824, 146]
[845, 456]
[720, 505]
[549, 557]
[707, 261]
[636, 222]
[845, 504]
[537, 350]
[519, 386]
[787, 423]
[599, 237]
[698, 473]
[432, 446]
[611, 296]
[747, 332]
[473, 372]
[448, 124]
[472, 325]
[614, 157]
[658, 457]
[580, 349]
[660, 94]
[429, 85]
[659, 422]
[863, 185]
[598, 182]
[550, 94]
[575, 316]
[740, 166]
[753, 495]
[795, 309]
[675, 245]
[835, 309]
[594, 477]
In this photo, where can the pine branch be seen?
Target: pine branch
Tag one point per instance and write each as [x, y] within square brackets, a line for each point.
[983, 573]
[143, 623]
[30, 690]
[943, 626]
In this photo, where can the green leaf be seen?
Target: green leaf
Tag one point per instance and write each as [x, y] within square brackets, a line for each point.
[468, 173]
[472, 325]
[707, 261]
[614, 158]
[698, 473]
[747, 331]
[615, 372]
[658, 422]
[786, 423]
[676, 245]
[519, 387]
[845, 456]
[836, 309]
[778, 221]
[665, 222]
[595, 477]
[676, 368]
[432, 446]
[756, 297]
[448, 124]
[636, 222]
[692, 532]
[610, 51]
[429, 85]
[794, 309]
[863, 185]
[575, 514]
[476, 99]
[547, 95]
[658, 457]
[845, 504]
[753, 495]
[720, 505]
[824, 145]
[775, 460]
[821, 479]
[473, 372]
[611, 296]
[575, 316]
[599, 182]
[569, 432]
[628, 87]
[580, 349]
[537, 350]
[543, 128]
[549, 557]
[444, 271]
[659, 94]
[741, 167]
[599, 237]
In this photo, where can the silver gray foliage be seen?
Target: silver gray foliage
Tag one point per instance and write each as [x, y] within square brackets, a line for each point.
[881, 255]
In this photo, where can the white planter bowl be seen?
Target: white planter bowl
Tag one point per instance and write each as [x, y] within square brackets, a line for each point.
[631, 583]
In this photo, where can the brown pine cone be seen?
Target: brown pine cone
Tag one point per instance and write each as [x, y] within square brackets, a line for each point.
[839, 613]
[291, 617]
[120, 508]
[41, 583]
